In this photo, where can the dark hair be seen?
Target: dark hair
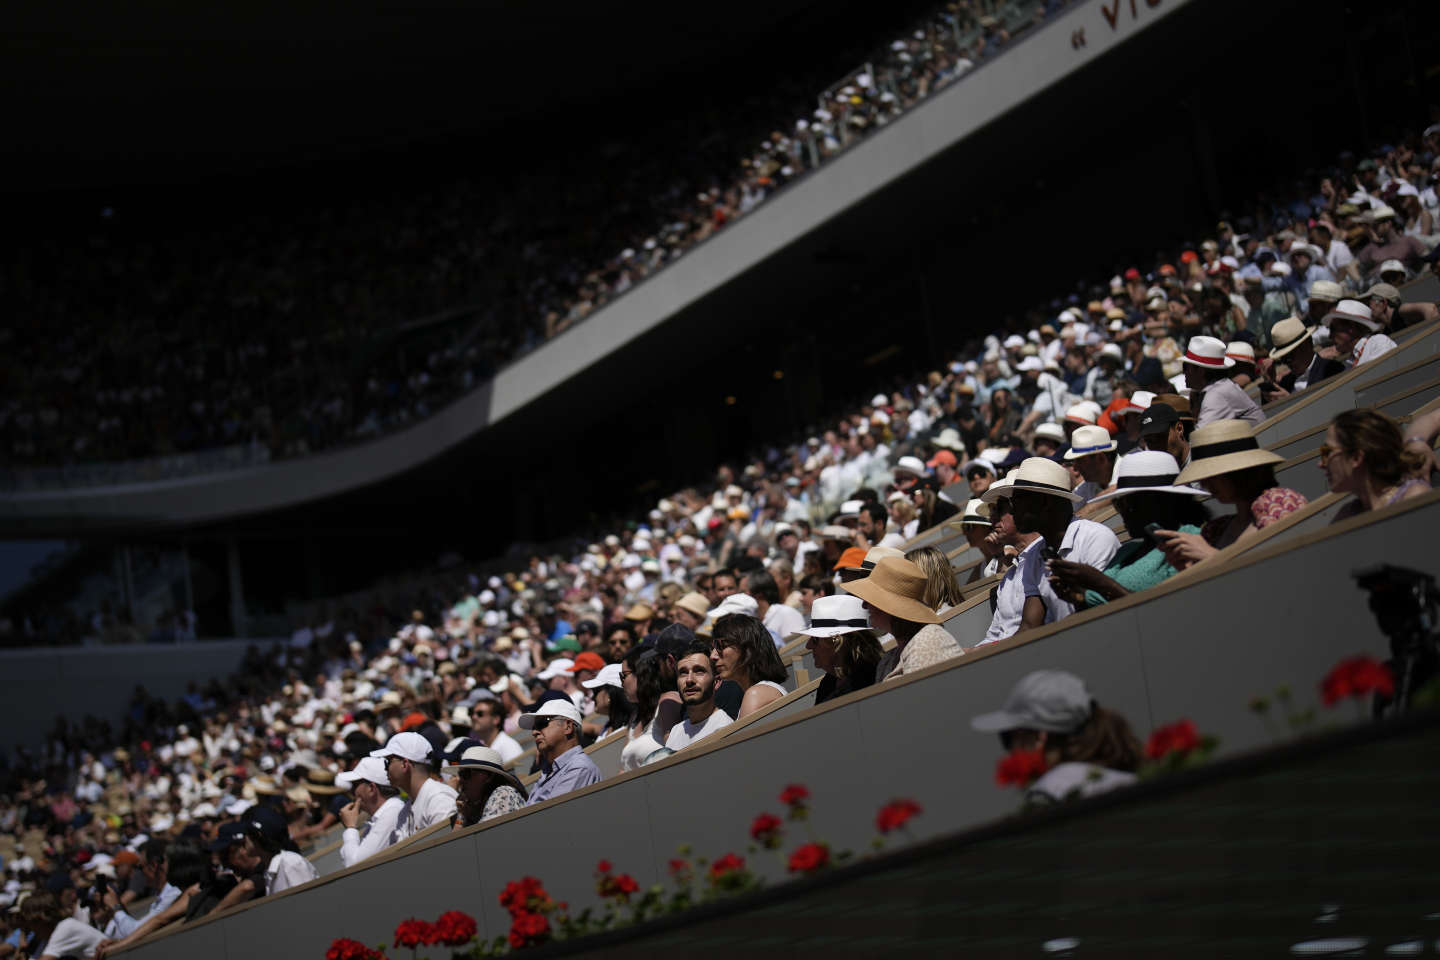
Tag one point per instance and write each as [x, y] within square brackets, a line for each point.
[41, 910]
[822, 586]
[621, 712]
[758, 656]
[878, 513]
[761, 586]
[650, 682]
[189, 865]
[1377, 438]
[1172, 511]
[859, 652]
[154, 850]
[1105, 739]
[696, 646]
[724, 572]
[622, 626]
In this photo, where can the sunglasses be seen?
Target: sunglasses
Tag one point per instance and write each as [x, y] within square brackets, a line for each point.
[1326, 452]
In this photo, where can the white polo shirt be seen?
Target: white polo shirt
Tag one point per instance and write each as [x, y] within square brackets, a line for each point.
[1085, 541]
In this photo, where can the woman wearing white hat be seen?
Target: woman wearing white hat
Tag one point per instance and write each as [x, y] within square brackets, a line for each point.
[1145, 493]
[845, 649]
[1227, 461]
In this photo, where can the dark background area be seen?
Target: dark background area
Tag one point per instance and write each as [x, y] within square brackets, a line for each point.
[1220, 103]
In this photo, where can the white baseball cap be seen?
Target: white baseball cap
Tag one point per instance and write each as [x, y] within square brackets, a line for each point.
[608, 677]
[407, 746]
[369, 768]
[557, 668]
[564, 709]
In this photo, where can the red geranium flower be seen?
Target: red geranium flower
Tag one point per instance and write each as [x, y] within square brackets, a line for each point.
[679, 868]
[528, 928]
[726, 865]
[1179, 738]
[523, 895]
[794, 795]
[413, 933]
[621, 886]
[346, 949]
[895, 815]
[1357, 677]
[603, 866]
[454, 929]
[809, 858]
[1020, 768]
[766, 829]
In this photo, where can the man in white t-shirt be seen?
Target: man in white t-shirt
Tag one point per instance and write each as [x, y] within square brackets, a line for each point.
[409, 767]
[695, 676]
[487, 723]
[370, 785]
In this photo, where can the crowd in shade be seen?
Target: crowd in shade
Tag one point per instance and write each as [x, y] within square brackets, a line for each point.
[371, 728]
[286, 335]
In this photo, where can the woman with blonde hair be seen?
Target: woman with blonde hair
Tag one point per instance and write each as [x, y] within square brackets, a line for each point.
[845, 649]
[902, 511]
[941, 590]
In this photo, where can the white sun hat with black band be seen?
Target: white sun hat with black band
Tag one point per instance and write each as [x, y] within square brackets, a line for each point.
[875, 554]
[1087, 440]
[1354, 311]
[486, 760]
[1207, 352]
[1224, 447]
[1041, 475]
[1148, 471]
[832, 616]
[1003, 487]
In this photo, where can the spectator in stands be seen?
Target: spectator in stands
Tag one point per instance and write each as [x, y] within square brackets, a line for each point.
[871, 526]
[894, 594]
[1226, 460]
[610, 701]
[979, 473]
[1386, 243]
[1302, 366]
[658, 707]
[1088, 750]
[564, 767]
[1389, 310]
[813, 588]
[377, 798]
[941, 590]
[1364, 454]
[689, 611]
[487, 726]
[781, 621]
[1356, 335]
[1092, 455]
[1162, 430]
[1207, 371]
[409, 763]
[695, 676]
[1145, 494]
[740, 657]
[487, 788]
[55, 934]
[930, 509]
[844, 647]
[266, 857]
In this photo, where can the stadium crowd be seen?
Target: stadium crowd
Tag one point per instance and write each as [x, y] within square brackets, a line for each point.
[332, 325]
[481, 699]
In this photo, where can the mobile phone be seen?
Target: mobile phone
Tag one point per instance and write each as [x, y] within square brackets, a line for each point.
[1150, 529]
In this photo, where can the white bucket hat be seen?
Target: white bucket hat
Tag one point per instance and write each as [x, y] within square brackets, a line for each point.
[1039, 475]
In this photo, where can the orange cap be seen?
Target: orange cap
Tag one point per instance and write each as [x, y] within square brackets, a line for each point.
[851, 559]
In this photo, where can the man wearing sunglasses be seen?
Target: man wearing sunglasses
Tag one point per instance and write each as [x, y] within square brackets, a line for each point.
[563, 765]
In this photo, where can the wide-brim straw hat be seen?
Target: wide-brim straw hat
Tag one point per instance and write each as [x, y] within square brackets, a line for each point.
[1041, 475]
[1224, 447]
[897, 587]
[1148, 471]
[1287, 335]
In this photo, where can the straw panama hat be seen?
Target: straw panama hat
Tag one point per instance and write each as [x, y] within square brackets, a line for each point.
[897, 587]
[1224, 447]
[1088, 440]
[1148, 471]
[832, 616]
[1039, 475]
[1207, 352]
[976, 513]
[1000, 488]
[1287, 335]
